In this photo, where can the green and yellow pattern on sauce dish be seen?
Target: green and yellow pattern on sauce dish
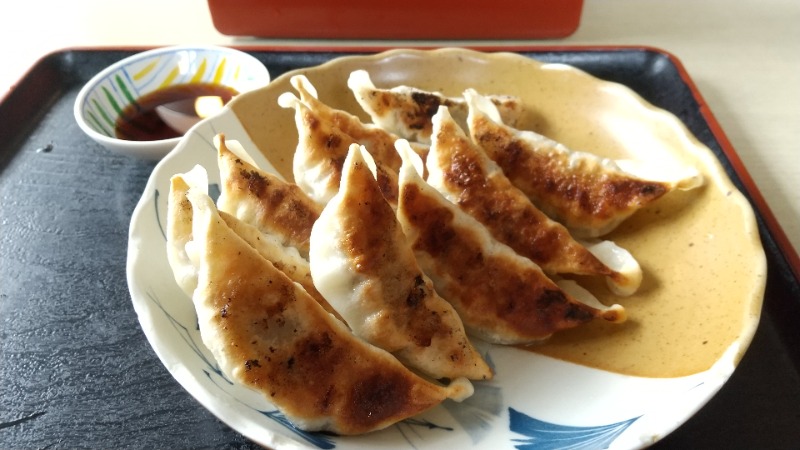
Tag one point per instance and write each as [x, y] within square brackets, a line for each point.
[101, 101]
[161, 69]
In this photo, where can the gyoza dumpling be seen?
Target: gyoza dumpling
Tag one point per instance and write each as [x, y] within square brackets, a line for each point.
[590, 195]
[500, 296]
[285, 259]
[179, 226]
[363, 265]
[179, 234]
[325, 135]
[264, 200]
[463, 173]
[268, 334]
[407, 111]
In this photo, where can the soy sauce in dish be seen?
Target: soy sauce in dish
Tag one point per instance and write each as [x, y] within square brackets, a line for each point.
[139, 121]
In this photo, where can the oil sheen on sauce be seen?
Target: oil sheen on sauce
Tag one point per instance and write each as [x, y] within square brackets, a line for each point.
[139, 121]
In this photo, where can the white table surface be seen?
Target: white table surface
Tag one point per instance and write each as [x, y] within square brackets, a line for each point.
[744, 56]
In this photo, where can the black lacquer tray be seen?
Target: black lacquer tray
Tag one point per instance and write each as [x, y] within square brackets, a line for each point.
[76, 371]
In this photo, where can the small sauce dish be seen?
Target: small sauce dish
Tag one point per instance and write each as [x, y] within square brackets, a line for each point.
[143, 104]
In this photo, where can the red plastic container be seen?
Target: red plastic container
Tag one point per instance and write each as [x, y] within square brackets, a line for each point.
[409, 19]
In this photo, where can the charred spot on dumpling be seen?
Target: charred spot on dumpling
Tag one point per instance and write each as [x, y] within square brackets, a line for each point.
[318, 346]
[314, 357]
[332, 140]
[427, 105]
[417, 292]
[650, 189]
[550, 298]
[578, 313]
[256, 183]
[311, 121]
[539, 312]
[385, 100]
[277, 196]
[499, 139]
[250, 364]
[632, 191]
[378, 396]
[299, 209]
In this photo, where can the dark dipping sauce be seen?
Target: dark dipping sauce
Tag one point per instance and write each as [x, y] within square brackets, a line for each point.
[139, 121]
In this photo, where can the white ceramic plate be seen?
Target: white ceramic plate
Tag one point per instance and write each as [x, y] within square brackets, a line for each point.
[535, 401]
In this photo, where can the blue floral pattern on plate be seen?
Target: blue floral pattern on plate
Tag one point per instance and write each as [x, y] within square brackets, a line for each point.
[543, 435]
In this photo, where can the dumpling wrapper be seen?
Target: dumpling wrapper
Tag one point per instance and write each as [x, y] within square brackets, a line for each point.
[179, 225]
[407, 111]
[268, 334]
[363, 265]
[179, 234]
[588, 194]
[263, 199]
[285, 259]
[325, 135]
[501, 297]
[463, 173]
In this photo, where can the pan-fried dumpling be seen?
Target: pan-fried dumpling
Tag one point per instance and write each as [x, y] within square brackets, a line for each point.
[264, 200]
[285, 259]
[463, 173]
[179, 226]
[325, 135]
[407, 111]
[502, 297]
[179, 234]
[590, 195]
[363, 265]
[268, 334]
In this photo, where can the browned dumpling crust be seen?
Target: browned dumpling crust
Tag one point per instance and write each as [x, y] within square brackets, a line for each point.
[464, 174]
[362, 263]
[179, 232]
[267, 333]
[325, 135]
[291, 264]
[584, 192]
[501, 297]
[264, 200]
[407, 111]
